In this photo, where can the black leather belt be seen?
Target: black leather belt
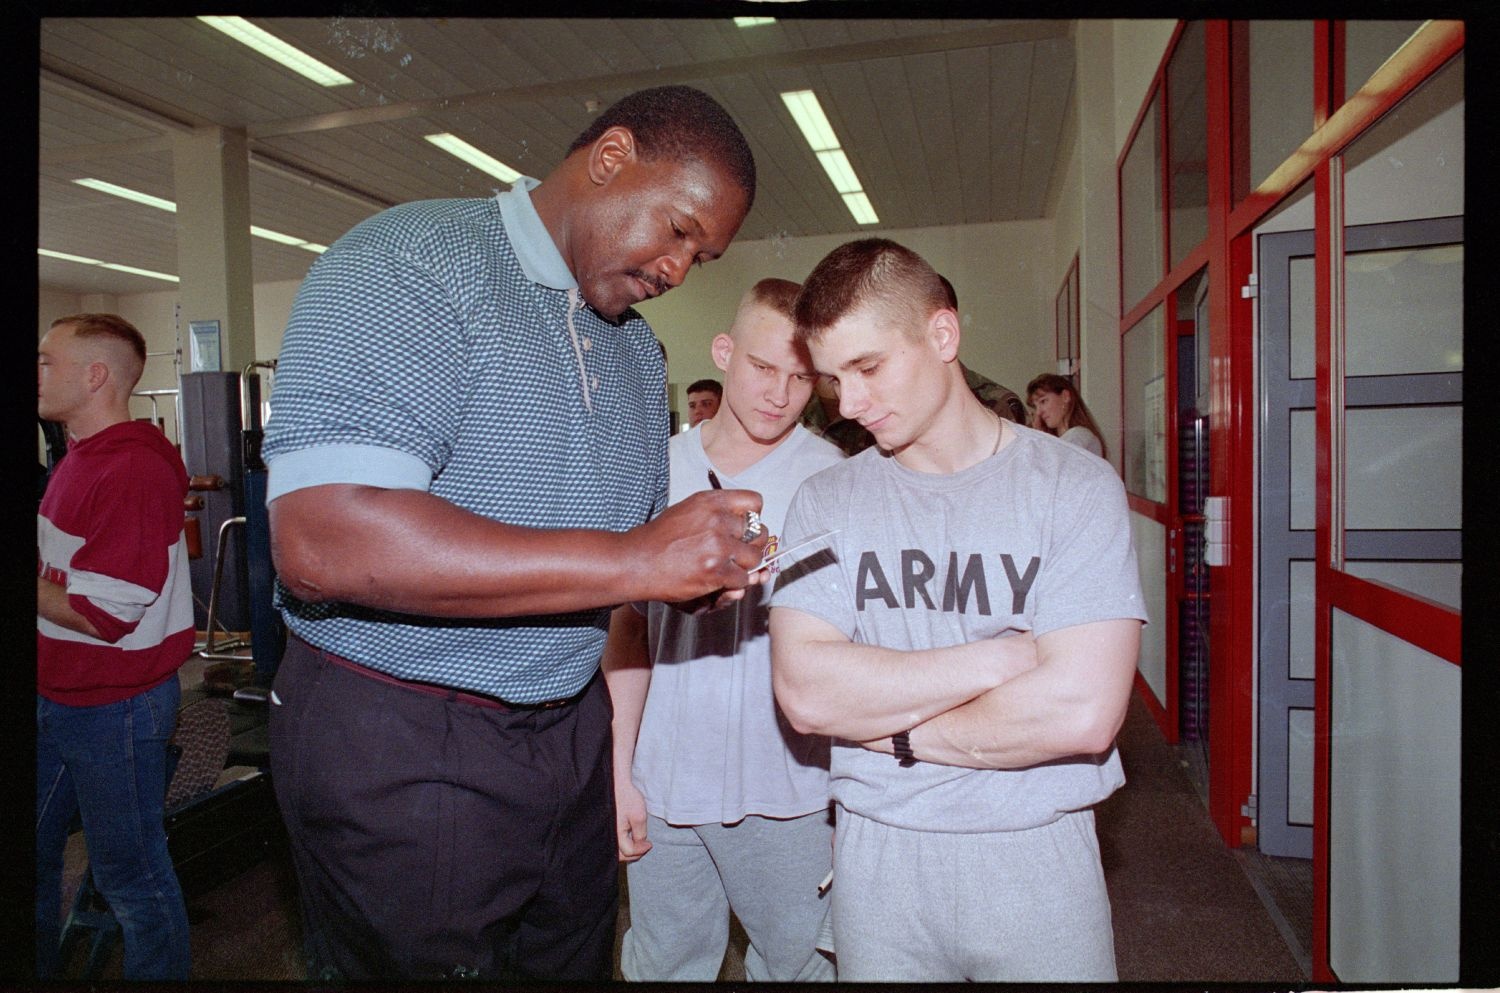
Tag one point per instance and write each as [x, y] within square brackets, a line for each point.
[446, 692]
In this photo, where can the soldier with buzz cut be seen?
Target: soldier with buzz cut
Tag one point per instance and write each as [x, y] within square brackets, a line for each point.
[720, 806]
[968, 638]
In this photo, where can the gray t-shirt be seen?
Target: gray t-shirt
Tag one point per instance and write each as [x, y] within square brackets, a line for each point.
[1036, 537]
[713, 747]
[1084, 439]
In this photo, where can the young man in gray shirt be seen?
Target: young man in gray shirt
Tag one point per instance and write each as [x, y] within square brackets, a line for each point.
[969, 639]
[720, 804]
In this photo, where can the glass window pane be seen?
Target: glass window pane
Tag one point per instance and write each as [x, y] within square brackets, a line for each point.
[1150, 539]
[1299, 766]
[1410, 164]
[1187, 144]
[1303, 452]
[1440, 581]
[1192, 322]
[1404, 311]
[1403, 468]
[1393, 886]
[1273, 61]
[1303, 317]
[1301, 619]
[1367, 44]
[1145, 408]
[1140, 212]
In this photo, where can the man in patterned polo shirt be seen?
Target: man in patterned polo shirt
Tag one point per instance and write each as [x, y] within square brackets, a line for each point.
[468, 469]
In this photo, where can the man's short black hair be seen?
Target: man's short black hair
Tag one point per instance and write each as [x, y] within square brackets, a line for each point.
[680, 123]
[707, 386]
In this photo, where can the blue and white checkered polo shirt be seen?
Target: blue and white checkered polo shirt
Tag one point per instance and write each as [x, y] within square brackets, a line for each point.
[430, 348]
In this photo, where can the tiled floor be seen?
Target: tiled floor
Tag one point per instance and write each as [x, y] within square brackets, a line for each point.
[1284, 885]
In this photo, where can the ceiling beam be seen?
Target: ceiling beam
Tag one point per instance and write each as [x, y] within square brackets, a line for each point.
[112, 97]
[88, 93]
[1003, 34]
[106, 150]
[314, 180]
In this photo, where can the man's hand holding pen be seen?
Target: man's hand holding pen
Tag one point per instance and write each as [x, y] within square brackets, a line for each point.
[703, 548]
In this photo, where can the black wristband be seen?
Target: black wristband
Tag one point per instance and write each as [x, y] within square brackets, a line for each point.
[901, 748]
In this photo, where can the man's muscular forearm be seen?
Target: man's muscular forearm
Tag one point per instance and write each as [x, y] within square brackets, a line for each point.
[1072, 703]
[829, 685]
[409, 551]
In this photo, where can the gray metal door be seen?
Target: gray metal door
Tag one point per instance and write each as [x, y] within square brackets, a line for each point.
[1287, 600]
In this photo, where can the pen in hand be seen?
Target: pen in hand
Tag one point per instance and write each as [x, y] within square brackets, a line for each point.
[753, 525]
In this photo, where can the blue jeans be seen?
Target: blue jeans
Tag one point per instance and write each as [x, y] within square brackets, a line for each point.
[109, 763]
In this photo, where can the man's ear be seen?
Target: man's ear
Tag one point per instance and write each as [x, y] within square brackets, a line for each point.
[943, 331]
[721, 348]
[611, 150]
[98, 374]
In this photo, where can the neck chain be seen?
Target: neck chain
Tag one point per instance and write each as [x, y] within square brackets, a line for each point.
[999, 434]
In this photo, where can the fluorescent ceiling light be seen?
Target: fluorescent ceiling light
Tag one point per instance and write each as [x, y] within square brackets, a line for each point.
[460, 149]
[127, 194]
[808, 113]
[141, 272]
[277, 50]
[66, 257]
[751, 22]
[269, 235]
[859, 206]
[168, 277]
[836, 164]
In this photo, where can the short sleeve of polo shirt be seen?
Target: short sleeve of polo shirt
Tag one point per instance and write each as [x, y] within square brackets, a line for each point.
[372, 367]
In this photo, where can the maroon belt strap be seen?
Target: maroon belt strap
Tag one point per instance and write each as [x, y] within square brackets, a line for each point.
[446, 692]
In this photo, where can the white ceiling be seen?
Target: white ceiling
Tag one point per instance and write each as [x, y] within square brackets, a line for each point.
[946, 121]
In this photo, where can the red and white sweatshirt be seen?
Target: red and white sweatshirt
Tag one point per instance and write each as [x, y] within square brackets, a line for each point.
[109, 530]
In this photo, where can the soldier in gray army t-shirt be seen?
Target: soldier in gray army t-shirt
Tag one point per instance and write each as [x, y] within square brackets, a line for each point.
[968, 637]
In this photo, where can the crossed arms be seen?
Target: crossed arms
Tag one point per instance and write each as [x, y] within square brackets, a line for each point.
[998, 703]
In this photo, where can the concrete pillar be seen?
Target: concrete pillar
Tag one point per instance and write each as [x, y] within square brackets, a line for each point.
[212, 174]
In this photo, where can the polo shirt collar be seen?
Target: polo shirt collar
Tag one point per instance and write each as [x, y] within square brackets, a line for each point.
[535, 249]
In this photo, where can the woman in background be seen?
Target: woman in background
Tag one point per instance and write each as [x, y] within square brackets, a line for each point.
[1058, 409]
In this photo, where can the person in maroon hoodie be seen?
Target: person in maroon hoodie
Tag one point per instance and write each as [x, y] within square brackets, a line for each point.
[114, 622]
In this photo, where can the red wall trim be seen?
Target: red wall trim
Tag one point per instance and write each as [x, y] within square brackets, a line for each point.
[1158, 712]
[1231, 470]
[1158, 512]
[1195, 260]
[1325, 99]
[1429, 625]
[1323, 516]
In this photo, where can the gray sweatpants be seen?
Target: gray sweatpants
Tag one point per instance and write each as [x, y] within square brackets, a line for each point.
[766, 869]
[1006, 906]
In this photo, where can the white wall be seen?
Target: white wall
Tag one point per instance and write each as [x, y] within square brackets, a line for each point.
[52, 304]
[1138, 49]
